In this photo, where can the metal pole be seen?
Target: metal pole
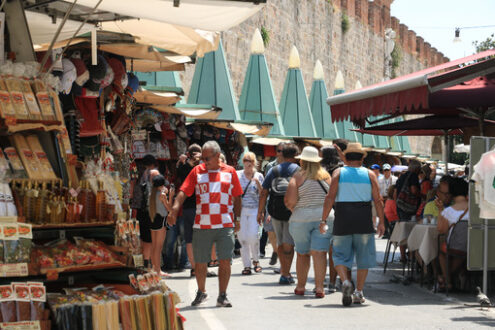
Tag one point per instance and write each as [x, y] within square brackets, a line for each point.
[485, 239]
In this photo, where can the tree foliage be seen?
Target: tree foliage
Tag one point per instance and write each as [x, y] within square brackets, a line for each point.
[488, 43]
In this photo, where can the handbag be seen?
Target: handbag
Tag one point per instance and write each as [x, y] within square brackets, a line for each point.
[406, 200]
[457, 238]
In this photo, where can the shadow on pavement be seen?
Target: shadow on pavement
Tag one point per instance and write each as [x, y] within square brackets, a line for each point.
[263, 284]
[195, 308]
[287, 296]
[339, 306]
[486, 321]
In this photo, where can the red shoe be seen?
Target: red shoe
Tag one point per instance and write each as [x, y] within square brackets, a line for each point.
[299, 292]
[319, 295]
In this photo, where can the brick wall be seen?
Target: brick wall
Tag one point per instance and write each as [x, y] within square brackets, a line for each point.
[314, 27]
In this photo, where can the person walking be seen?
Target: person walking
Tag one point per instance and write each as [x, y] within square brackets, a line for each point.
[160, 204]
[248, 235]
[184, 166]
[218, 205]
[275, 185]
[268, 231]
[352, 189]
[305, 196]
[139, 202]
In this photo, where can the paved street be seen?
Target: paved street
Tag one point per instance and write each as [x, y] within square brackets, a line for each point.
[260, 302]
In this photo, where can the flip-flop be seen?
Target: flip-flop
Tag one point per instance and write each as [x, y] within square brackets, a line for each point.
[257, 267]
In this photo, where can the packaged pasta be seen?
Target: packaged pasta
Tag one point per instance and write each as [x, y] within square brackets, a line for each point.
[43, 97]
[6, 105]
[35, 145]
[31, 102]
[15, 88]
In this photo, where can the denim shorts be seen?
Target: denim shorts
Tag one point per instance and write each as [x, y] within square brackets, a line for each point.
[307, 236]
[345, 247]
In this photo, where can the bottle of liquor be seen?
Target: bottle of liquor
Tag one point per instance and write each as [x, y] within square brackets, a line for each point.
[88, 202]
[40, 215]
[29, 204]
[72, 214]
[101, 203]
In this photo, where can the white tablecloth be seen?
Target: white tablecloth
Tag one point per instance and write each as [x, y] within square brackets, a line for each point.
[424, 239]
[401, 232]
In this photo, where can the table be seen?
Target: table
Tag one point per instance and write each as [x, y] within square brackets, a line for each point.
[424, 239]
[401, 232]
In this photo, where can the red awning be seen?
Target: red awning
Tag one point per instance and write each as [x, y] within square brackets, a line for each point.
[409, 93]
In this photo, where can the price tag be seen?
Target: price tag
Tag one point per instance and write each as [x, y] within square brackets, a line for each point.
[61, 234]
[138, 260]
[71, 280]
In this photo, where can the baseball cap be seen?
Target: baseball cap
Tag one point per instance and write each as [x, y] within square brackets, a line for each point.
[375, 167]
[387, 167]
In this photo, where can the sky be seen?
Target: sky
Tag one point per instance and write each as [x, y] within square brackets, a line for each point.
[435, 21]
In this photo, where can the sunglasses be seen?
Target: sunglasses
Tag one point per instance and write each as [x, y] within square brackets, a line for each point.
[247, 161]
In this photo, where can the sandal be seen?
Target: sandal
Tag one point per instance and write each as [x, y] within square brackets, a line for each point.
[299, 292]
[257, 267]
[246, 271]
[213, 263]
[319, 295]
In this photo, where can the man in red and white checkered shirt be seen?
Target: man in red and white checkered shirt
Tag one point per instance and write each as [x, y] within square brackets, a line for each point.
[218, 198]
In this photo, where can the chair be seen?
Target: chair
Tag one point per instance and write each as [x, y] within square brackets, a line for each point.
[456, 246]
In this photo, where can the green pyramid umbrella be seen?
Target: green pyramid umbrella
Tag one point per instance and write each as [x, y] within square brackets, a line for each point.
[325, 128]
[294, 105]
[211, 84]
[344, 127]
[257, 101]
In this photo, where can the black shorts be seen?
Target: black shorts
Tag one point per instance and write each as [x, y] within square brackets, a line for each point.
[144, 225]
[158, 222]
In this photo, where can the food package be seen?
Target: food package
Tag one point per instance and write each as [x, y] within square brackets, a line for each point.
[6, 105]
[12, 250]
[7, 303]
[25, 234]
[35, 145]
[15, 162]
[59, 115]
[23, 301]
[37, 293]
[15, 88]
[44, 101]
[28, 157]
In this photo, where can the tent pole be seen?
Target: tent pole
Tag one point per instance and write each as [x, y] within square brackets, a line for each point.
[481, 121]
[446, 151]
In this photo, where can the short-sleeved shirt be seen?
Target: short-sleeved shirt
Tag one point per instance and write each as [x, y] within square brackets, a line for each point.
[286, 169]
[215, 191]
[182, 172]
[384, 184]
[251, 197]
[431, 209]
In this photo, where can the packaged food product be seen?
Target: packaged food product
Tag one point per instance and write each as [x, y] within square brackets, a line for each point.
[23, 301]
[25, 233]
[7, 303]
[6, 106]
[38, 297]
[14, 86]
[15, 162]
[28, 157]
[35, 145]
[11, 243]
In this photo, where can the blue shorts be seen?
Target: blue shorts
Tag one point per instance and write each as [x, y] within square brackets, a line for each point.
[362, 246]
[307, 236]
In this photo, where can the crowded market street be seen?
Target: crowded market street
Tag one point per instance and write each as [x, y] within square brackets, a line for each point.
[259, 302]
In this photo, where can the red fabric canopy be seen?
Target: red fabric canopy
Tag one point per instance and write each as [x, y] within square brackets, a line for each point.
[409, 93]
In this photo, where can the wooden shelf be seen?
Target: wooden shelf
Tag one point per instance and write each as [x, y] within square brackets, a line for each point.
[73, 225]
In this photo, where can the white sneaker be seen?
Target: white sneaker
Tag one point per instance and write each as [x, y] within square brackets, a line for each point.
[357, 297]
[346, 293]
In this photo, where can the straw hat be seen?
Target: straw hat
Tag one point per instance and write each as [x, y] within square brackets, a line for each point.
[309, 154]
[355, 147]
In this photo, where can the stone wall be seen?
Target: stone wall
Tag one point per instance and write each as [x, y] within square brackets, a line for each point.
[315, 28]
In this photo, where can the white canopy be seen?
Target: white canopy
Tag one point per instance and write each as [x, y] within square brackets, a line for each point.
[209, 15]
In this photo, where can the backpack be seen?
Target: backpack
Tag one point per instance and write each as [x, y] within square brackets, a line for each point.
[276, 205]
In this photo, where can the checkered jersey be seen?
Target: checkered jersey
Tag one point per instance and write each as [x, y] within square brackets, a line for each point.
[215, 191]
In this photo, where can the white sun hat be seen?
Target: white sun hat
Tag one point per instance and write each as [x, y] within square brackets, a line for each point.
[310, 154]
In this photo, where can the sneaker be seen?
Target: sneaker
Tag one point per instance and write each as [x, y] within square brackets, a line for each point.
[347, 293]
[284, 280]
[357, 297]
[331, 288]
[338, 284]
[223, 301]
[273, 259]
[276, 270]
[200, 298]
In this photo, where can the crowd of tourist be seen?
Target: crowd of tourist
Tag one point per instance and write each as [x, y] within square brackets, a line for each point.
[322, 205]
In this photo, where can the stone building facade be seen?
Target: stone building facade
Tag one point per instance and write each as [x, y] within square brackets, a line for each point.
[316, 28]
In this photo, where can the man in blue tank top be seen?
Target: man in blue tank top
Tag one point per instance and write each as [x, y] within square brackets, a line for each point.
[352, 190]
